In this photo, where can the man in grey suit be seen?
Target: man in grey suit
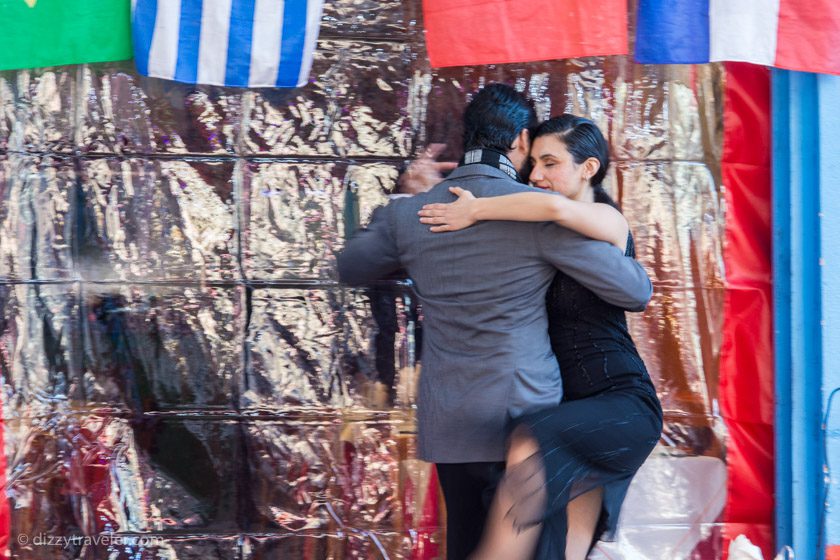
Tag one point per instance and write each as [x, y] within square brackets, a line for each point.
[486, 351]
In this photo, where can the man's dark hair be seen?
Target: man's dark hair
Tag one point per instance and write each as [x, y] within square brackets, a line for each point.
[495, 116]
[582, 138]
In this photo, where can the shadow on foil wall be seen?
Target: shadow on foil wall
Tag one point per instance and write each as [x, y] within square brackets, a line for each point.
[178, 361]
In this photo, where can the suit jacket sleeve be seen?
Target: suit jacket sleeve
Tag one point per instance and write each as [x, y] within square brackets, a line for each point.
[597, 265]
[371, 253]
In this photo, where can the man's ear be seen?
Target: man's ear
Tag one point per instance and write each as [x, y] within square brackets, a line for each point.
[522, 142]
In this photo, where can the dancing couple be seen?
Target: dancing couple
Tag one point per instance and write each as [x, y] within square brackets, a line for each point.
[533, 401]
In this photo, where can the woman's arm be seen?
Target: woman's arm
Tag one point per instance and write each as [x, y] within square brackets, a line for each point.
[595, 220]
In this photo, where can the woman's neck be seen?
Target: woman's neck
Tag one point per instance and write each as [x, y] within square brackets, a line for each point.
[587, 194]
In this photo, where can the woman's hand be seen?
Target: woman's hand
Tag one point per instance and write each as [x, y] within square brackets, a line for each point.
[452, 216]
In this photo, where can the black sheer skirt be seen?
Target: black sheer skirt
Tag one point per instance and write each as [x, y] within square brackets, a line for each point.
[597, 441]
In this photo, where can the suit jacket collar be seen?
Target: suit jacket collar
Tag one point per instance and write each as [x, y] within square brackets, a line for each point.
[477, 169]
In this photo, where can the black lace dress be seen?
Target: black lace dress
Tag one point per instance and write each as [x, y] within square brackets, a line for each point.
[600, 434]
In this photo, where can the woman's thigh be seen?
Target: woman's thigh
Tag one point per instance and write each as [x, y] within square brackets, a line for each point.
[614, 430]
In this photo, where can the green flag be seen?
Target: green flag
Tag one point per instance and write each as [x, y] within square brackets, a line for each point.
[36, 33]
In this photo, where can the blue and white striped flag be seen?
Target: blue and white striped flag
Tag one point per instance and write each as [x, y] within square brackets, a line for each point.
[237, 43]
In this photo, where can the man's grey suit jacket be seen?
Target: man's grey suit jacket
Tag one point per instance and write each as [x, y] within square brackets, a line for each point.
[486, 354]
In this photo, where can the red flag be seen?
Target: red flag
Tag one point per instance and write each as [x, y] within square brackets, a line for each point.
[746, 355]
[809, 35]
[469, 32]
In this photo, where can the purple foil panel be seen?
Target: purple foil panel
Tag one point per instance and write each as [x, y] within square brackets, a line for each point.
[293, 471]
[152, 219]
[294, 214]
[355, 105]
[157, 547]
[366, 495]
[36, 217]
[37, 109]
[349, 478]
[94, 475]
[194, 474]
[122, 113]
[293, 219]
[150, 348]
[316, 547]
[366, 18]
[7, 110]
[40, 341]
[298, 351]
[70, 475]
[327, 348]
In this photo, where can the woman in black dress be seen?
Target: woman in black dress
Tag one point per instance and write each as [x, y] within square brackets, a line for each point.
[569, 467]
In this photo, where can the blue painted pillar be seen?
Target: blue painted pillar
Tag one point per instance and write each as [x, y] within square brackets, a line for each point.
[806, 263]
[829, 169]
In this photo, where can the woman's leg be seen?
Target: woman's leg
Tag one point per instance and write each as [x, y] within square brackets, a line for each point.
[502, 540]
[582, 513]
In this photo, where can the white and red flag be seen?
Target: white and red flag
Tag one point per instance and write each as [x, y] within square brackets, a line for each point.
[792, 34]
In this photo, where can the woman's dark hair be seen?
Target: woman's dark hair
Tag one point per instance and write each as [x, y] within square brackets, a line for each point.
[495, 116]
[582, 138]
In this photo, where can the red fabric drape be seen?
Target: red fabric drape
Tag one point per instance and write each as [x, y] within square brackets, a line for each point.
[470, 32]
[746, 363]
[5, 513]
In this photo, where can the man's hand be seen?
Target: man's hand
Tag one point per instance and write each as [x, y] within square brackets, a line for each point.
[424, 172]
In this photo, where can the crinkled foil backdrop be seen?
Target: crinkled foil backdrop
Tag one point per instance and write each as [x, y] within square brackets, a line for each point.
[176, 356]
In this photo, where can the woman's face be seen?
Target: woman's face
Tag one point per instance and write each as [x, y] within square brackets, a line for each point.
[554, 168]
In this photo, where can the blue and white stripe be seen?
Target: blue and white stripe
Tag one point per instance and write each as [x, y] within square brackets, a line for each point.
[237, 43]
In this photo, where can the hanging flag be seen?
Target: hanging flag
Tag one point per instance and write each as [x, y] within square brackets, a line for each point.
[469, 32]
[35, 33]
[238, 43]
[793, 34]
